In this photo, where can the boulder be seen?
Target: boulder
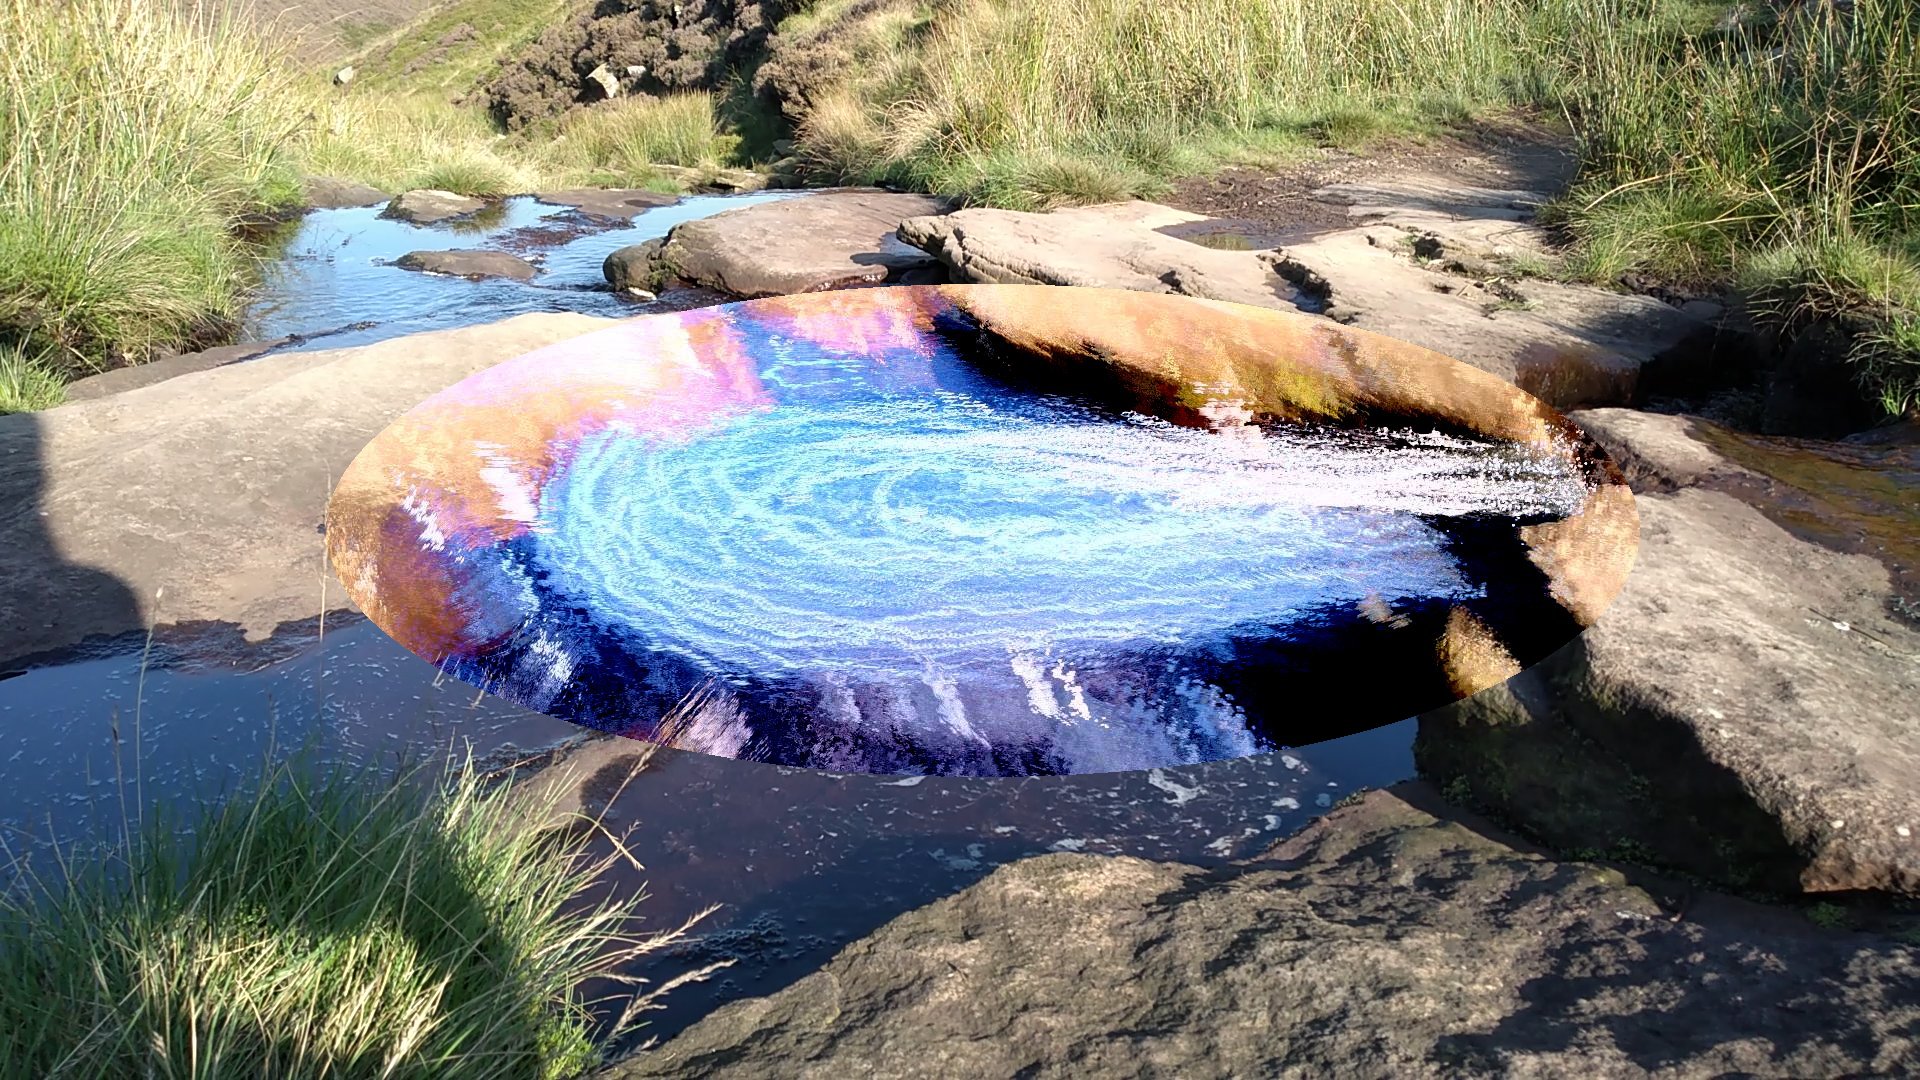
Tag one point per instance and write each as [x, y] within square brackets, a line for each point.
[209, 486]
[634, 266]
[473, 264]
[1382, 941]
[333, 193]
[1113, 247]
[428, 206]
[826, 240]
[612, 204]
[1746, 708]
[607, 83]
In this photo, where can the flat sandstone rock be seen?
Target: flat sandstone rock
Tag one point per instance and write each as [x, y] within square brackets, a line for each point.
[826, 240]
[210, 486]
[1746, 708]
[1382, 941]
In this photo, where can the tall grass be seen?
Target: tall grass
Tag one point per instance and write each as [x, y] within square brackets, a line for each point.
[962, 97]
[622, 138]
[336, 927]
[400, 141]
[1780, 155]
[132, 134]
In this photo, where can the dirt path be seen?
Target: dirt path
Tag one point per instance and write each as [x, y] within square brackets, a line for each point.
[1272, 207]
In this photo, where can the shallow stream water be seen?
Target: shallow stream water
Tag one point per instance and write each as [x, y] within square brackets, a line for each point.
[329, 277]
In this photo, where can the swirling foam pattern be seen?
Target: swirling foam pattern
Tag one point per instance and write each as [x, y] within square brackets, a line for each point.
[904, 533]
[846, 521]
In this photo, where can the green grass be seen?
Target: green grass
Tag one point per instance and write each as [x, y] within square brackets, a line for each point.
[1124, 93]
[625, 136]
[130, 140]
[413, 59]
[1781, 160]
[342, 927]
[28, 382]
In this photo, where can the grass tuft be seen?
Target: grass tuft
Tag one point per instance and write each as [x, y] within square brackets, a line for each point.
[133, 133]
[28, 382]
[343, 926]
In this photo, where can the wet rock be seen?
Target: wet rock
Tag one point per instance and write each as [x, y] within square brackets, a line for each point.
[428, 206]
[120, 380]
[231, 466]
[829, 240]
[473, 265]
[333, 193]
[612, 204]
[1745, 709]
[1383, 940]
[635, 266]
[1812, 384]
[1112, 247]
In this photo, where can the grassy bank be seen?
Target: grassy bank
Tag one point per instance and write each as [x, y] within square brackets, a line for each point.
[344, 927]
[1779, 158]
[131, 138]
[136, 135]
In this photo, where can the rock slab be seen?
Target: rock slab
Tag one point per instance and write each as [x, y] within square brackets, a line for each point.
[334, 193]
[1382, 941]
[828, 240]
[612, 204]
[1111, 247]
[1423, 263]
[1745, 710]
[428, 206]
[200, 497]
[472, 264]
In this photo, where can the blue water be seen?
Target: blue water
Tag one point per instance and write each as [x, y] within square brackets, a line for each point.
[332, 269]
[904, 565]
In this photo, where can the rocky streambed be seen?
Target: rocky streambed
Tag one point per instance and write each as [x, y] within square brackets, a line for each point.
[1741, 720]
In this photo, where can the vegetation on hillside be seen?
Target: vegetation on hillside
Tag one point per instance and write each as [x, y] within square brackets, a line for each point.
[1770, 154]
[1777, 155]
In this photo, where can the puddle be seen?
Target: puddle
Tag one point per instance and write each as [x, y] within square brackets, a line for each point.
[803, 861]
[330, 282]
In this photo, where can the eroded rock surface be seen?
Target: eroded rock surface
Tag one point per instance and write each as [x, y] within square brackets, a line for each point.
[428, 206]
[1112, 247]
[1427, 261]
[1382, 941]
[829, 240]
[1746, 708]
[613, 204]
